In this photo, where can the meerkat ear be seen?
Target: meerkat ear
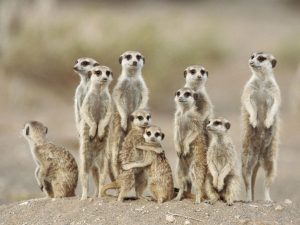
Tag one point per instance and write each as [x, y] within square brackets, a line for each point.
[131, 117]
[206, 73]
[274, 62]
[120, 59]
[112, 74]
[27, 130]
[195, 95]
[46, 130]
[184, 73]
[144, 59]
[162, 136]
[227, 125]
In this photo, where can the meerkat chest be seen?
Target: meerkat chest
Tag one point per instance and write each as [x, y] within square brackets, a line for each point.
[131, 94]
[219, 156]
[184, 126]
[99, 103]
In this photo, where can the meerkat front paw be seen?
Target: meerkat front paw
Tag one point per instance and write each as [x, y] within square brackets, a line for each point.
[268, 122]
[126, 167]
[179, 154]
[220, 185]
[92, 132]
[101, 133]
[124, 124]
[215, 182]
[186, 151]
[253, 122]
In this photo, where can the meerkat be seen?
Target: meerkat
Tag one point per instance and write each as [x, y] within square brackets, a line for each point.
[129, 153]
[261, 100]
[96, 112]
[157, 166]
[190, 144]
[129, 94]
[222, 181]
[81, 67]
[56, 171]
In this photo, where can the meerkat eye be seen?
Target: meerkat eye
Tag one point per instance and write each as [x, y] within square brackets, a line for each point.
[85, 63]
[107, 72]
[96, 64]
[148, 133]
[148, 117]
[261, 58]
[192, 71]
[98, 72]
[202, 71]
[27, 130]
[178, 93]
[138, 57]
[216, 123]
[128, 57]
[187, 94]
[140, 118]
[157, 134]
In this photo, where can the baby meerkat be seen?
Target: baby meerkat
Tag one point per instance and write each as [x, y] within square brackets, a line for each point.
[129, 94]
[157, 166]
[260, 106]
[96, 112]
[195, 78]
[81, 67]
[190, 144]
[222, 180]
[56, 171]
[129, 153]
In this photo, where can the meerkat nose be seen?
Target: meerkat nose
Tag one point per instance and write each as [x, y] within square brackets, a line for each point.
[134, 63]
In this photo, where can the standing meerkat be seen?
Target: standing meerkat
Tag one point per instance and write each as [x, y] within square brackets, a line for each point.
[81, 67]
[56, 171]
[260, 105]
[129, 94]
[190, 144]
[222, 179]
[96, 112]
[129, 153]
[195, 78]
[157, 166]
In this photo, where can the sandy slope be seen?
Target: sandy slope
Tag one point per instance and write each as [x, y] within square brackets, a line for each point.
[108, 211]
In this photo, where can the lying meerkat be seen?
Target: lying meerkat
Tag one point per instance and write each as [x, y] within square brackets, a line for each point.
[190, 144]
[157, 166]
[222, 181]
[129, 153]
[81, 67]
[56, 171]
[260, 106]
[96, 112]
[129, 94]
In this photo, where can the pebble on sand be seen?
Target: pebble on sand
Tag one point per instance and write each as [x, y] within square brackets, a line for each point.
[170, 218]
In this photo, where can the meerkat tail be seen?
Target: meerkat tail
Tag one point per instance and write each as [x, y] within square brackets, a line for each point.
[112, 185]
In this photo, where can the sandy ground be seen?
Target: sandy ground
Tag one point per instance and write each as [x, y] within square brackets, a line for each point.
[108, 211]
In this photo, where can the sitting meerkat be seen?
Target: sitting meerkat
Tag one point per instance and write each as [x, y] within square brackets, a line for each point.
[157, 166]
[96, 112]
[261, 100]
[56, 171]
[190, 144]
[129, 94]
[81, 67]
[129, 153]
[222, 180]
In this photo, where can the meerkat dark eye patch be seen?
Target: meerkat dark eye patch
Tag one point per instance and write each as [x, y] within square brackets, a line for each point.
[98, 72]
[85, 63]
[148, 133]
[216, 123]
[261, 58]
[187, 94]
[107, 72]
[140, 118]
[96, 64]
[202, 71]
[27, 130]
[157, 134]
[138, 57]
[178, 93]
[193, 71]
[148, 117]
[128, 57]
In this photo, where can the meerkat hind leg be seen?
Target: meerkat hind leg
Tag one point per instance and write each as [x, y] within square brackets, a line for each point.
[253, 179]
[95, 173]
[211, 192]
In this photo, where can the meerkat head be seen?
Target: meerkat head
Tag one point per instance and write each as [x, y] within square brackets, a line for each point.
[262, 62]
[35, 132]
[195, 75]
[83, 65]
[185, 97]
[153, 134]
[100, 75]
[140, 118]
[218, 126]
[132, 60]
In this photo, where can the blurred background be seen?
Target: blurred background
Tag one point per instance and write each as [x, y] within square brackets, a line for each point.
[40, 41]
